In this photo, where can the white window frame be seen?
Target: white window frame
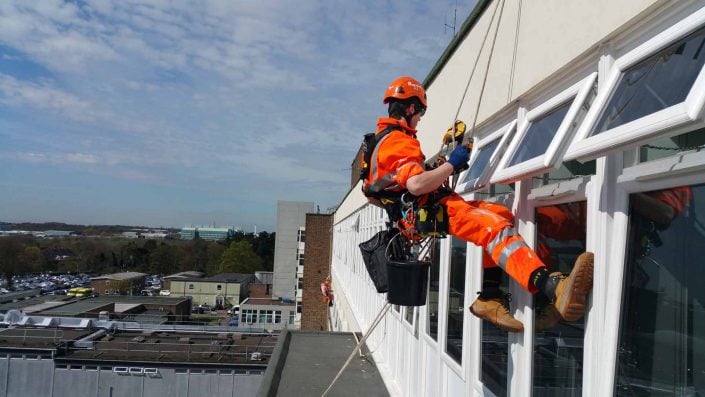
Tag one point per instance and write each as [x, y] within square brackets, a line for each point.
[671, 121]
[578, 93]
[504, 134]
[684, 168]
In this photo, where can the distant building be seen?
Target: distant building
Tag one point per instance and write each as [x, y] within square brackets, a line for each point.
[288, 246]
[190, 274]
[128, 283]
[69, 357]
[222, 290]
[267, 313]
[314, 312]
[58, 233]
[145, 233]
[262, 287]
[207, 233]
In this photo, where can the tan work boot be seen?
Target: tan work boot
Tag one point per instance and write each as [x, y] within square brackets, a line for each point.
[546, 318]
[571, 292]
[495, 311]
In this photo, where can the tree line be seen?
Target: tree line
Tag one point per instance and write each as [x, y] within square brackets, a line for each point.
[245, 253]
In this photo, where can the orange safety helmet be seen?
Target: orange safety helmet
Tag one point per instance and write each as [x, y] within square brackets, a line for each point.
[404, 88]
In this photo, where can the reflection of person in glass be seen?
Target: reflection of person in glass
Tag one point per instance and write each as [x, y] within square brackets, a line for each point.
[397, 167]
[656, 211]
[662, 304]
[563, 223]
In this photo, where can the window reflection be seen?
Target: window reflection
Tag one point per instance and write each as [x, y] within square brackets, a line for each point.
[662, 344]
[558, 346]
[656, 83]
[495, 353]
[567, 171]
[456, 300]
[482, 160]
[432, 308]
[667, 147]
[540, 134]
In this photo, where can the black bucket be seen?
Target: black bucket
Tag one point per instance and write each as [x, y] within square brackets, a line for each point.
[408, 282]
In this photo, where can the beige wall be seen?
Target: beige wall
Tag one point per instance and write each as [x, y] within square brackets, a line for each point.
[206, 292]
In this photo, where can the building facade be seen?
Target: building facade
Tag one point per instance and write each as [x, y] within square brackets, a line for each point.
[126, 283]
[207, 233]
[288, 250]
[589, 110]
[267, 313]
[314, 311]
[220, 291]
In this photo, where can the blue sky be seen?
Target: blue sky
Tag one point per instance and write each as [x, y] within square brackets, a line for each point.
[169, 113]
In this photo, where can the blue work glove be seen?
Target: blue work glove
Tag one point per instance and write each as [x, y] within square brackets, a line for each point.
[459, 157]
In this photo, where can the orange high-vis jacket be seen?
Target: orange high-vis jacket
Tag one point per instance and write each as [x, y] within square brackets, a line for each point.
[396, 158]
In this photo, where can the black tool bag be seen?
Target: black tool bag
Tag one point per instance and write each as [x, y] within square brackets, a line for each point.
[376, 253]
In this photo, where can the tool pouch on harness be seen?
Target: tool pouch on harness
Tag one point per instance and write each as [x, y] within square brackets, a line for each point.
[432, 220]
[376, 253]
[430, 217]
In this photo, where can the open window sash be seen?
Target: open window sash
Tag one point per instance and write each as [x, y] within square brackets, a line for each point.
[485, 157]
[545, 134]
[609, 128]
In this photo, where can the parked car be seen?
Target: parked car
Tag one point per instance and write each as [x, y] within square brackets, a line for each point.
[164, 292]
[234, 311]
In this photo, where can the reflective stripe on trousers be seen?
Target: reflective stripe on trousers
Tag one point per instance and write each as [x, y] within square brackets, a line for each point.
[489, 225]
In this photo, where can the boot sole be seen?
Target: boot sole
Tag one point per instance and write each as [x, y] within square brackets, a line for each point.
[573, 302]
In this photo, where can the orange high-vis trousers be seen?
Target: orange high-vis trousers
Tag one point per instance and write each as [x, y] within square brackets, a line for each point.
[491, 226]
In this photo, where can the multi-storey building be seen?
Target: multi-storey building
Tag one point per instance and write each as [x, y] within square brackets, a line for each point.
[289, 249]
[207, 233]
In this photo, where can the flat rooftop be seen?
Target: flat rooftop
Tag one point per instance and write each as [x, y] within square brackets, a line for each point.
[80, 306]
[265, 302]
[305, 363]
[38, 338]
[214, 348]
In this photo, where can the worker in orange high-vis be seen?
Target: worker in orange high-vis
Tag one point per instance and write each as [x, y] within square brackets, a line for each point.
[397, 167]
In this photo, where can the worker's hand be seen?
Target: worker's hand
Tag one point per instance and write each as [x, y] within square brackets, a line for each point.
[459, 157]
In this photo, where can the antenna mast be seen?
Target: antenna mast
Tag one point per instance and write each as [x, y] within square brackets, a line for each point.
[455, 16]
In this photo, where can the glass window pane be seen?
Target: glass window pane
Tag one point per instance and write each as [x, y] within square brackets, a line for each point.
[482, 160]
[540, 134]
[661, 346]
[667, 147]
[558, 346]
[656, 83]
[434, 278]
[456, 299]
[495, 353]
[567, 171]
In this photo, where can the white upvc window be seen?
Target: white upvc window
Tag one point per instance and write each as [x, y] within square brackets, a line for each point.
[485, 156]
[545, 133]
[657, 89]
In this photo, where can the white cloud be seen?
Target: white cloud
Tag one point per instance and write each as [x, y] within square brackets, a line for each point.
[175, 91]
